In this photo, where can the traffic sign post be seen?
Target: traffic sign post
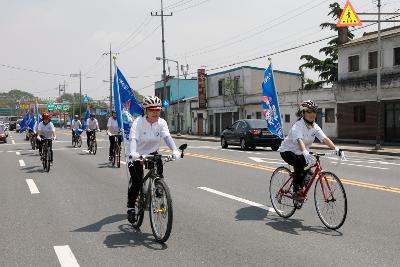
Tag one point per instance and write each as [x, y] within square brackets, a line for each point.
[348, 17]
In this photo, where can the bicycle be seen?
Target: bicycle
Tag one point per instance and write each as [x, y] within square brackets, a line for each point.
[47, 154]
[154, 196]
[32, 139]
[329, 195]
[76, 138]
[116, 156]
[93, 143]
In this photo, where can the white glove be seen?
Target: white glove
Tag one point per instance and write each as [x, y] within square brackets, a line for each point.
[176, 155]
[39, 138]
[307, 156]
[133, 156]
[54, 138]
[340, 153]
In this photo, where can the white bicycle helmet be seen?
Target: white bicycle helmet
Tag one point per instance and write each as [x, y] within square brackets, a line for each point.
[308, 104]
[151, 102]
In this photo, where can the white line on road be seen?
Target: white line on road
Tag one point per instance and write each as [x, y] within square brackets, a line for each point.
[18, 153]
[251, 203]
[65, 256]
[13, 142]
[364, 166]
[21, 163]
[32, 186]
[123, 162]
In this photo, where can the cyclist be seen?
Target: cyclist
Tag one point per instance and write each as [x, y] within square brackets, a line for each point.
[112, 130]
[92, 126]
[295, 148]
[75, 125]
[145, 136]
[46, 130]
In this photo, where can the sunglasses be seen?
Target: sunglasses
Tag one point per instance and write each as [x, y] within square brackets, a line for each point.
[311, 111]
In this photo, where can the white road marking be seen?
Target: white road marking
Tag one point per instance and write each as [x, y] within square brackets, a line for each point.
[263, 160]
[32, 186]
[13, 142]
[65, 256]
[256, 159]
[123, 162]
[358, 165]
[18, 153]
[21, 163]
[248, 202]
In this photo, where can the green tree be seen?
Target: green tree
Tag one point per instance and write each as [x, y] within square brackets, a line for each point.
[15, 95]
[328, 67]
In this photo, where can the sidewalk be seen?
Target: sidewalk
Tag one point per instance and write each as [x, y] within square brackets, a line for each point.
[360, 148]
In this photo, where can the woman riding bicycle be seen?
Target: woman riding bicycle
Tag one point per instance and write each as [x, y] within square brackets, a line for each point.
[113, 130]
[92, 126]
[295, 148]
[145, 136]
[75, 125]
[46, 131]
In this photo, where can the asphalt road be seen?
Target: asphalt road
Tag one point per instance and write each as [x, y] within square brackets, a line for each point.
[75, 214]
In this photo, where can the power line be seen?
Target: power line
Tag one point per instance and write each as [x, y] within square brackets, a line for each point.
[35, 71]
[192, 6]
[135, 33]
[141, 41]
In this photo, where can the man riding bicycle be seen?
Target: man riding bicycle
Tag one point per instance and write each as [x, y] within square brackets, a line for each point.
[92, 126]
[46, 131]
[145, 136]
[295, 148]
[113, 130]
[75, 125]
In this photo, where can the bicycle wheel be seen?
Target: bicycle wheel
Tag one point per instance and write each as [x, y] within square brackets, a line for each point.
[281, 192]
[94, 147]
[43, 158]
[161, 211]
[139, 207]
[79, 142]
[47, 159]
[73, 142]
[33, 143]
[117, 155]
[330, 200]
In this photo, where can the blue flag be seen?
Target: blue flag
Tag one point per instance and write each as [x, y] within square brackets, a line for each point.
[270, 103]
[87, 115]
[24, 122]
[31, 121]
[125, 103]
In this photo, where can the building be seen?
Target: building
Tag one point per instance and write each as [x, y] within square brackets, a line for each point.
[236, 94]
[176, 93]
[356, 92]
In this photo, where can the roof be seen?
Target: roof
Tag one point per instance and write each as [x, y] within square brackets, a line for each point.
[372, 36]
[253, 68]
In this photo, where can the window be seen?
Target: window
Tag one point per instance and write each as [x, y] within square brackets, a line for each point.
[396, 56]
[236, 84]
[220, 86]
[330, 115]
[258, 115]
[287, 117]
[372, 60]
[249, 117]
[359, 113]
[354, 63]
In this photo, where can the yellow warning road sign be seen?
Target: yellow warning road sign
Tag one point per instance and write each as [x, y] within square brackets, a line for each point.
[349, 17]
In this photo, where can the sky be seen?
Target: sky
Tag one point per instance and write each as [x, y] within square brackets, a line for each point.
[55, 39]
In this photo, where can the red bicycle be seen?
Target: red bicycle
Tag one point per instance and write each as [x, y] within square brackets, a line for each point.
[329, 194]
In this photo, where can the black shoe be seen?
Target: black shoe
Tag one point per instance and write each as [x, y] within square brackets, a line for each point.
[110, 158]
[131, 215]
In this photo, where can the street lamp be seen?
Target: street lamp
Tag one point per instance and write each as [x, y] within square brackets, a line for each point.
[177, 68]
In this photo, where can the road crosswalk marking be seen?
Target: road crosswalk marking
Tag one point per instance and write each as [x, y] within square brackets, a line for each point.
[65, 256]
[21, 163]
[32, 186]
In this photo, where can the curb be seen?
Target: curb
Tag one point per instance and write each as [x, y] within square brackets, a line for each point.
[367, 151]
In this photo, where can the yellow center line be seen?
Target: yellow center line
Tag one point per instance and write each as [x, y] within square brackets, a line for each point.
[270, 169]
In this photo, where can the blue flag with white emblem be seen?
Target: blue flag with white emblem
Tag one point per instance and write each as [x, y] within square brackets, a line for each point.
[270, 103]
[87, 115]
[24, 122]
[125, 103]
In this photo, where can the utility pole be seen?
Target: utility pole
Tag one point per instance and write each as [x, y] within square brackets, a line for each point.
[59, 90]
[110, 53]
[163, 45]
[185, 70]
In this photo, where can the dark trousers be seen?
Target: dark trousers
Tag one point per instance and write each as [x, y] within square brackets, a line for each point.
[135, 182]
[88, 135]
[299, 163]
[50, 144]
[112, 142]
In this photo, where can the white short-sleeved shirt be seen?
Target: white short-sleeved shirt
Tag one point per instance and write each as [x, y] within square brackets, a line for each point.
[76, 124]
[148, 136]
[112, 125]
[300, 130]
[92, 124]
[46, 130]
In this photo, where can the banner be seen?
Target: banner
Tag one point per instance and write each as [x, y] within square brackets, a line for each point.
[125, 103]
[201, 85]
[270, 103]
[87, 115]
